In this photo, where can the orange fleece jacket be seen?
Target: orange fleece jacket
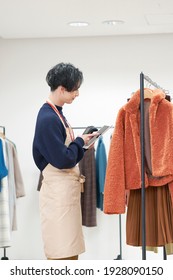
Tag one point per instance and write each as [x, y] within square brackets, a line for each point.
[123, 171]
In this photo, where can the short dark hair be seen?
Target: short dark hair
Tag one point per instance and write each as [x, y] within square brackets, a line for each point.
[66, 75]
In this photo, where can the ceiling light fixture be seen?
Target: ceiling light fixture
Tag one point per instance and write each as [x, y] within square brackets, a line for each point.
[112, 22]
[78, 24]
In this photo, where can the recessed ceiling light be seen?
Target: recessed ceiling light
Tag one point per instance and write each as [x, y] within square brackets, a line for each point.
[78, 23]
[113, 22]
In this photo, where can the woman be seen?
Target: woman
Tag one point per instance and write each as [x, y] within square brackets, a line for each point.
[56, 153]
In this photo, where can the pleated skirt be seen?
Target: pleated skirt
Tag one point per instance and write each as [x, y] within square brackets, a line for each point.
[159, 217]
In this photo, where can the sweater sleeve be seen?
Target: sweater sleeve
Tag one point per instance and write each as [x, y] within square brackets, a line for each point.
[114, 189]
[49, 144]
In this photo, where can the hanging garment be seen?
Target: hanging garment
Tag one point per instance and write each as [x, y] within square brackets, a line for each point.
[3, 169]
[159, 217]
[40, 181]
[12, 188]
[15, 181]
[87, 167]
[124, 160]
[101, 163]
[159, 209]
[5, 229]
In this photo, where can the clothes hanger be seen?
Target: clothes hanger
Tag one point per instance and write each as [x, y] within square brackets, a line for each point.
[148, 93]
[2, 135]
[2, 131]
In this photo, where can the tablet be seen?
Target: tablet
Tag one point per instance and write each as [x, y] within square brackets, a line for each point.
[100, 132]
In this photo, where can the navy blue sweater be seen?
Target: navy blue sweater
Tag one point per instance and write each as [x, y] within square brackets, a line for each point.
[49, 141]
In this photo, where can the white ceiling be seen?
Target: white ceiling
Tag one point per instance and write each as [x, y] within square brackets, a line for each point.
[49, 18]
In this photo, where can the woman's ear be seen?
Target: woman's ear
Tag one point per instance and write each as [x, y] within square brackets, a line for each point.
[62, 89]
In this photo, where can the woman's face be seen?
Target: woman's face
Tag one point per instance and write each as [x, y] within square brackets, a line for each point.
[69, 97]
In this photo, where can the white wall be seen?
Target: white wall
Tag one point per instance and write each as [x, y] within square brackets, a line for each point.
[111, 68]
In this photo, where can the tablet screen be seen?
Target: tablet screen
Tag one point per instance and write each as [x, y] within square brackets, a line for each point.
[100, 132]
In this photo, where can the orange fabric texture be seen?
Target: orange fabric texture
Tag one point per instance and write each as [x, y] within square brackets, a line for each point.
[124, 160]
[159, 217]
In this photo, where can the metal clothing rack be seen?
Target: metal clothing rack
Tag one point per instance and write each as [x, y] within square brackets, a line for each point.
[142, 134]
[83, 127]
[3, 129]
[4, 257]
[151, 82]
[119, 256]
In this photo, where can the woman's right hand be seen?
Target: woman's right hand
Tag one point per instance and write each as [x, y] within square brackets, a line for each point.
[87, 137]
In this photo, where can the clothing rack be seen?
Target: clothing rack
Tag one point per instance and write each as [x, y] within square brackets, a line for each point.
[151, 82]
[4, 257]
[142, 134]
[84, 127]
[3, 129]
[119, 256]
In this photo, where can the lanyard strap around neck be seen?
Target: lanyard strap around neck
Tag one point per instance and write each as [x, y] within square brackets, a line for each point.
[61, 118]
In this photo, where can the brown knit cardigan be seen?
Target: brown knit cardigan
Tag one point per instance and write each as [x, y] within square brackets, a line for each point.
[124, 158]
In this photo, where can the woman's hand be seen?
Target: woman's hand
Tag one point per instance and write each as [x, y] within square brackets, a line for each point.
[87, 137]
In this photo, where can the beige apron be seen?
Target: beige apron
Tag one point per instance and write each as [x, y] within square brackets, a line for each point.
[60, 211]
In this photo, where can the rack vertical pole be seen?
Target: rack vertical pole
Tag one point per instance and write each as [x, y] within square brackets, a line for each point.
[120, 236]
[142, 133]
[4, 257]
[3, 129]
